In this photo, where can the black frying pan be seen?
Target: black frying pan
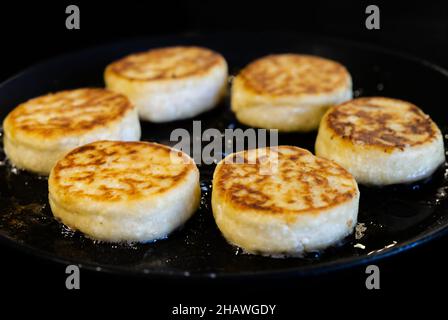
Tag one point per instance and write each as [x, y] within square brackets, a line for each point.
[395, 218]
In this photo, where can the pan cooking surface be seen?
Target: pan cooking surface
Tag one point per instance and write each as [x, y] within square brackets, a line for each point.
[391, 219]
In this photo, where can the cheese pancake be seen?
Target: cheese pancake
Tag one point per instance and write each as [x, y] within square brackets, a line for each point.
[170, 83]
[40, 131]
[124, 191]
[381, 141]
[283, 200]
[289, 92]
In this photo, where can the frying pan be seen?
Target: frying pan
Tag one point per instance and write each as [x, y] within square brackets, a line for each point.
[391, 219]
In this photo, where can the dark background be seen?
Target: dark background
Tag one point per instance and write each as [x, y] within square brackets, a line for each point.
[31, 32]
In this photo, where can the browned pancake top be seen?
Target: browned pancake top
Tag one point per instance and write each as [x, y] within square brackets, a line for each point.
[115, 170]
[285, 179]
[166, 63]
[382, 122]
[66, 113]
[294, 74]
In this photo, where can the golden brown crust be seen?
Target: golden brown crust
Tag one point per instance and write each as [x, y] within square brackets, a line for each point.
[303, 183]
[381, 122]
[166, 63]
[294, 74]
[116, 170]
[65, 113]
